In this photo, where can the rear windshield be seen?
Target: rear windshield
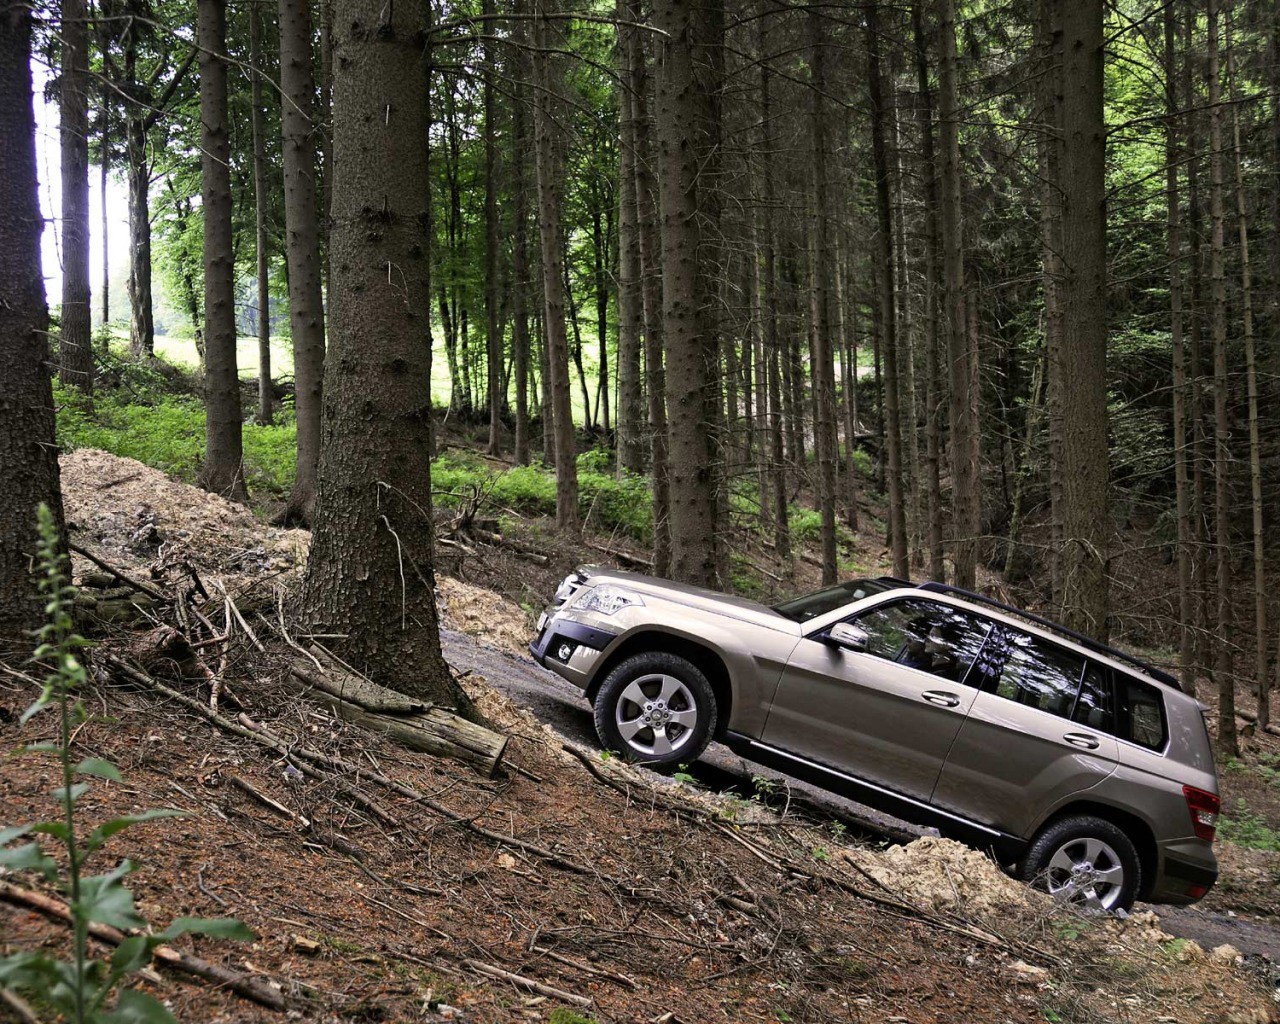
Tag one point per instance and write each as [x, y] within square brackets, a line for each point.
[810, 606]
[1139, 713]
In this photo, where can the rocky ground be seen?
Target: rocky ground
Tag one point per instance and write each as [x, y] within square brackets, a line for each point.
[394, 886]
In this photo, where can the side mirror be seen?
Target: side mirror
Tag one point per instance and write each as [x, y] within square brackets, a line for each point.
[847, 637]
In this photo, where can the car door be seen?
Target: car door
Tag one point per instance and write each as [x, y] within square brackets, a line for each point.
[1040, 731]
[887, 714]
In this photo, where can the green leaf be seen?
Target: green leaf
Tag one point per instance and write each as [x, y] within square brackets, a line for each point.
[12, 832]
[134, 1007]
[109, 828]
[132, 954]
[74, 792]
[98, 767]
[105, 899]
[57, 829]
[41, 748]
[215, 927]
[29, 858]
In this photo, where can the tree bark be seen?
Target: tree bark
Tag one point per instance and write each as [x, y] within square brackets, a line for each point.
[966, 481]
[684, 129]
[493, 339]
[1080, 377]
[1223, 667]
[142, 329]
[75, 345]
[370, 574]
[549, 224]
[266, 396]
[28, 453]
[223, 468]
[520, 240]
[630, 298]
[302, 248]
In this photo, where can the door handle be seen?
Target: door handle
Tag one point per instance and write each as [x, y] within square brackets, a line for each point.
[1082, 739]
[941, 697]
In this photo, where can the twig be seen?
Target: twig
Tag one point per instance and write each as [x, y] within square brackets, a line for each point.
[242, 984]
[529, 983]
[266, 801]
[141, 588]
[19, 1006]
[578, 965]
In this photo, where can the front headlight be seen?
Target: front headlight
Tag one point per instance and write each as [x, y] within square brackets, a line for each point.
[607, 600]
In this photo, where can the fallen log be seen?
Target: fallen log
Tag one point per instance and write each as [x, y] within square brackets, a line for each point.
[411, 723]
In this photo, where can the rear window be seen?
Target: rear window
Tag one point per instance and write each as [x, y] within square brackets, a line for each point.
[1038, 673]
[1140, 715]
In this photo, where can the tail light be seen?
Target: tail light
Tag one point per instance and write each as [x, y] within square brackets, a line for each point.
[1204, 808]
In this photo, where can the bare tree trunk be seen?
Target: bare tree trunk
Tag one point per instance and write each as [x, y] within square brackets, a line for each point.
[302, 248]
[103, 179]
[1251, 376]
[520, 240]
[493, 338]
[824, 383]
[28, 452]
[966, 481]
[223, 468]
[1223, 668]
[75, 346]
[599, 246]
[548, 169]
[1082, 373]
[932, 398]
[370, 574]
[630, 299]
[266, 396]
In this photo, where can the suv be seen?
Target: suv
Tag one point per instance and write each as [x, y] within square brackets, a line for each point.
[1077, 766]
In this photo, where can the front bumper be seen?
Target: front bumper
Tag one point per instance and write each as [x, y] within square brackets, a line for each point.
[569, 648]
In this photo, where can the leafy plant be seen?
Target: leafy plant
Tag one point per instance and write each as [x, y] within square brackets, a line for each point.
[1245, 828]
[79, 990]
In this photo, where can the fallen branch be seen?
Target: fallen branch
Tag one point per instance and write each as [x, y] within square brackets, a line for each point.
[266, 801]
[578, 965]
[242, 984]
[528, 983]
[624, 557]
[141, 588]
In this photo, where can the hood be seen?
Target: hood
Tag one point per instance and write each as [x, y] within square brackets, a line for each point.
[695, 597]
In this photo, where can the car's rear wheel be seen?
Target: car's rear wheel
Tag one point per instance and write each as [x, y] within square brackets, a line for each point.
[1085, 861]
[656, 708]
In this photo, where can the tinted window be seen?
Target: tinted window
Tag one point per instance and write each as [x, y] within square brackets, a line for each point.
[1038, 673]
[1093, 709]
[1139, 713]
[923, 635]
[810, 606]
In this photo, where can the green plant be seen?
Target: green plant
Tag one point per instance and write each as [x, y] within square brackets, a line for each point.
[561, 1015]
[1245, 828]
[764, 788]
[80, 989]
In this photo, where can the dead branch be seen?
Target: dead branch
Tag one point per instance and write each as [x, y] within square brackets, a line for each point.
[266, 801]
[245, 985]
[527, 983]
[128, 581]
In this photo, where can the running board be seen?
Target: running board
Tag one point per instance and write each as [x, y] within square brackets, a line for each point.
[1004, 847]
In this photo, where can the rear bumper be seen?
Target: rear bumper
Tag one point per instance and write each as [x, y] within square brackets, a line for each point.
[569, 648]
[1188, 870]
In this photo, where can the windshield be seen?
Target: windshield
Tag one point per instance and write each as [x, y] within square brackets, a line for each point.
[810, 606]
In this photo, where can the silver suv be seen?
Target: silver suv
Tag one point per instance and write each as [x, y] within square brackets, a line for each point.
[1079, 767]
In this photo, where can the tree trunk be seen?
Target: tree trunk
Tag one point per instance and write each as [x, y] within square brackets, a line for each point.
[1223, 669]
[520, 241]
[630, 298]
[547, 144]
[75, 345]
[493, 338]
[302, 248]
[142, 328]
[684, 124]
[824, 383]
[884, 269]
[104, 169]
[599, 246]
[1081, 375]
[1260, 676]
[266, 397]
[223, 469]
[370, 574]
[28, 452]
[966, 481]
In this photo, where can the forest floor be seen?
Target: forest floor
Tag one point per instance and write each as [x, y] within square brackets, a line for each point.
[610, 893]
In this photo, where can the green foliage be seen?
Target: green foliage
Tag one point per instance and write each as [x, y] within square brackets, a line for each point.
[166, 432]
[862, 462]
[1245, 828]
[562, 1015]
[79, 990]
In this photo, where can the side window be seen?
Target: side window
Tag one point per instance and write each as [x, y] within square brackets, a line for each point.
[923, 635]
[1093, 709]
[1140, 713]
[1039, 673]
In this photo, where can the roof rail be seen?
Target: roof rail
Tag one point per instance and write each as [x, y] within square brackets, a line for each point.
[895, 580]
[1080, 638]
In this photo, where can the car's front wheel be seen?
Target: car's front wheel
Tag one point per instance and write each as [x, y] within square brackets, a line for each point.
[656, 708]
[1085, 861]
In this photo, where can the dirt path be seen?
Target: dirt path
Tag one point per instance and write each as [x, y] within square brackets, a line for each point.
[561, 705]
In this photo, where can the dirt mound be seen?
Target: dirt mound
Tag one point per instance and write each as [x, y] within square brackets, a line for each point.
[138, 518]
[483, 614]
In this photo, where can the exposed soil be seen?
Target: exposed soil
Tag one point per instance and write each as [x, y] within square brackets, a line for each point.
[652, 899]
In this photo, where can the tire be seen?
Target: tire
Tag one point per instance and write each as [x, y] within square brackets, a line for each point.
[1085, 861]
[656, 709]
